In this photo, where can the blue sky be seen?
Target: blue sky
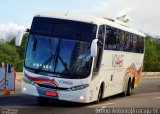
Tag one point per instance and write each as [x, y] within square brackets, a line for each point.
[144, 17]
[22, 11]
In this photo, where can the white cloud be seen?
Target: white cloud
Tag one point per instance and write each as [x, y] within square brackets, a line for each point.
[9, 29]
[144, 14]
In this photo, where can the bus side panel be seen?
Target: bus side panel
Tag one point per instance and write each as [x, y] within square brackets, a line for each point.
[117, 67]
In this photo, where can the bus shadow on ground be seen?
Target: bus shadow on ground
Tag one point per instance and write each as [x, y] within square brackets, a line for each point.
[19, 99]
[25, 100]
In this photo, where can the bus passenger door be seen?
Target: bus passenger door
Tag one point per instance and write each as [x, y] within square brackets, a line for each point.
[97, 61]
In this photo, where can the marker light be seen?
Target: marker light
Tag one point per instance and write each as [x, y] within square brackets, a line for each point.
[24, 89]
[81, 97]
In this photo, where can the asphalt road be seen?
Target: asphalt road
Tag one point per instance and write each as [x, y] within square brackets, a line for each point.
[145, 98]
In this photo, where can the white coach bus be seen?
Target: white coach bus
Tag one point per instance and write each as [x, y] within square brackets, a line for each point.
[80, 58]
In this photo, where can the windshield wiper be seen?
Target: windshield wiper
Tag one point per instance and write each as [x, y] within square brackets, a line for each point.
[56, 57]
[48, 60]
[60, 58]
[64, 64]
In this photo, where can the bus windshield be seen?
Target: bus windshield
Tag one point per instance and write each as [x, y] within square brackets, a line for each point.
[58, 55]
[66, 29]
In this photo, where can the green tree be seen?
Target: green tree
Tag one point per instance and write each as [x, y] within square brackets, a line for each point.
[8, 54]
[20, 51]
[152, 55]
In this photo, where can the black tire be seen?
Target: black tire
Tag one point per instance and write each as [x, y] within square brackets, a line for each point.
[99, 97]
[129, 88]
[42, 100]
[133, 82]
[124, 94]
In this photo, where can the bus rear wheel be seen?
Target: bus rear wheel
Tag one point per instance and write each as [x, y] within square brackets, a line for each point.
[128, 90]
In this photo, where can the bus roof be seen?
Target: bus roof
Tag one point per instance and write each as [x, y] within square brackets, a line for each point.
[87, 19]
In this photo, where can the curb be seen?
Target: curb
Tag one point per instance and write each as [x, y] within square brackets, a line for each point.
[150, 73]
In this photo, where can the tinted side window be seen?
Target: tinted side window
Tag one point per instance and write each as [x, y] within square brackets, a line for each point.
[134, 48]
[128, 42]
[140, 44]
[120, 40]
[111, 39]
[101, 34]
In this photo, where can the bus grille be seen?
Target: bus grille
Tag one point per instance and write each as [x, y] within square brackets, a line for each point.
[52, 87]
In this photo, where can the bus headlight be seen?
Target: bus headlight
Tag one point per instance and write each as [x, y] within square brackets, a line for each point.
[79, 87]
[81, 97]
[27, 80]
[24, 89]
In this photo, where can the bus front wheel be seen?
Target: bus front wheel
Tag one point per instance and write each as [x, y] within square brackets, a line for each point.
[99, 97]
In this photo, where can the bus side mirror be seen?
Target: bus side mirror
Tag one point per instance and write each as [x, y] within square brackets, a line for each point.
[94, 48]
[19, 37]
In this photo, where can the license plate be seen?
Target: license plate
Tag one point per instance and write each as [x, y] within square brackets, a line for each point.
[51, 93]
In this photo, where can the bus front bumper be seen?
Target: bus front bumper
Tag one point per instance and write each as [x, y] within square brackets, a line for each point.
[65, 95]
